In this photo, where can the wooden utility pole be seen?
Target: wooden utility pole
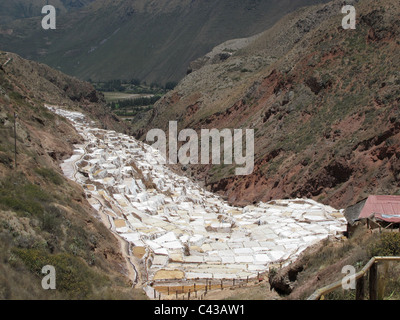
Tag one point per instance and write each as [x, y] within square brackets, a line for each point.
[15, 139]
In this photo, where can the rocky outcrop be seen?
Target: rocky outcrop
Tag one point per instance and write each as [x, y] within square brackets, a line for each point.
[284, 280]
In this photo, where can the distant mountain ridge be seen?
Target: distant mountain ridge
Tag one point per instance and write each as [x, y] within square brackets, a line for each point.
[146, 39]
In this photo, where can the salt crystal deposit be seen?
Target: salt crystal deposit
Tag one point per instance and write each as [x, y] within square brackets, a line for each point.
[187, 232]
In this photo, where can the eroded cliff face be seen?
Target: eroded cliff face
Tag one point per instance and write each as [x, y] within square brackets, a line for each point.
[323, 102]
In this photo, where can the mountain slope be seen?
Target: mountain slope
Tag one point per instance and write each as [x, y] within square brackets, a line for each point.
[323, 101]
[45, 219]
[156, 40]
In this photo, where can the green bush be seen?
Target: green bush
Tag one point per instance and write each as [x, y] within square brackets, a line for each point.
[388, 245]
[6, 160]
[30, 200]
[50, 175]
[50, 220]
[26, 199]
[73, 276]
[20, 205]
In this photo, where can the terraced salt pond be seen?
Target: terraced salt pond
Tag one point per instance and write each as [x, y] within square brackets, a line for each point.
[175, 228]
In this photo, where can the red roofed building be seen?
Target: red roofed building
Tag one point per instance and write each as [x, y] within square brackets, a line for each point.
[377, 211]
[384, 208]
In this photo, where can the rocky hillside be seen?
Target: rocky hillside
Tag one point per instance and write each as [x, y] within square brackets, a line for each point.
[156, 40]
[323, 102]
[45, 219]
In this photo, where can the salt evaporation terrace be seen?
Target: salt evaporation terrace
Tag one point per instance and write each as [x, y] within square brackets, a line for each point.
[185, 232]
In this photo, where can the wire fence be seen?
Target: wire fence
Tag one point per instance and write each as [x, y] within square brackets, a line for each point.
[198, 289]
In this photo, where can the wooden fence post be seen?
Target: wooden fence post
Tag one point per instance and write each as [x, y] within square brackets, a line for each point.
[373, 285]
[360, 292]
[382, 280]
